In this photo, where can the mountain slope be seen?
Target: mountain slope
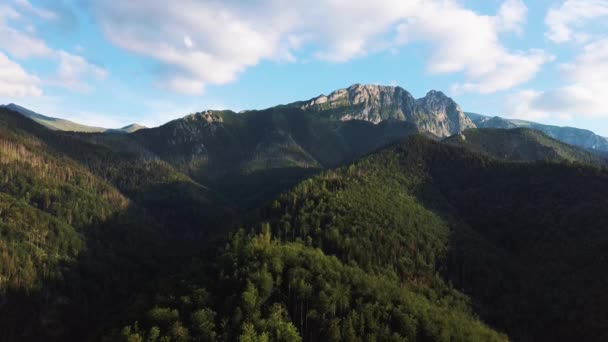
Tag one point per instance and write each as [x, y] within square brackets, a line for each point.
[521, 144]
[573, 136]
[262, 289]
[115, 234]
[66, 125]
[518, 241]
[509, 225]
[82, 222]
[223, 148]
[65, 234]
[435, 113]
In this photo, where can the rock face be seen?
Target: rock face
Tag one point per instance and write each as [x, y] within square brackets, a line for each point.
[435, 113]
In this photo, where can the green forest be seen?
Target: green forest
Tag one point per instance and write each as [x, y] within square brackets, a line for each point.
[117, 237]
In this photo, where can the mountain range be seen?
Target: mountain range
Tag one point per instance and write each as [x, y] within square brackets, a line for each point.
[569, 135]
[66, 125]
[365, 214]
[435, 113]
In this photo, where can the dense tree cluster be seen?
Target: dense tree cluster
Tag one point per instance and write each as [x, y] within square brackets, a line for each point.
[107, 236]
[263, 289]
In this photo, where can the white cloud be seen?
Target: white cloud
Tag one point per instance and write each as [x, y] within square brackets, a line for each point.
[184, 85]
[188, 42]
[212, 42]
[565, 21]
[7, 12]
[584, 94]
[16, 82]
[463, 41]
[22, 45]
[73, 69]
[511, 69]
[511, 16]
[41, 12]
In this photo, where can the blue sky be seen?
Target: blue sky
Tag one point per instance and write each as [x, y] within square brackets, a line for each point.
[112, 63]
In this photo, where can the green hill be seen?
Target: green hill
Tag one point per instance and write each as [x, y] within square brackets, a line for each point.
[581, 138]
[221, 149]
[349, 230]
[84, 223]
[521, 144]
[66, 125]
[460, 234]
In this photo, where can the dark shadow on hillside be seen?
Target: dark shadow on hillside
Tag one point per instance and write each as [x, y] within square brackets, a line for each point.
[122, 254]
[185, 209]
[252, 190]
[526, 243]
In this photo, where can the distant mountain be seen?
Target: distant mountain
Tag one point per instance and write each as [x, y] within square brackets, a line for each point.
[521, 144]
[570, 135]
[127, 129]
[66, 125]
[435, 113]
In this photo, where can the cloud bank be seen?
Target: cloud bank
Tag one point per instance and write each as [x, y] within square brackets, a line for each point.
[20, 43]
[585, 77]
[211, 42]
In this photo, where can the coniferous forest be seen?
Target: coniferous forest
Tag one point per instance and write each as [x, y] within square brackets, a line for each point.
[289, 225]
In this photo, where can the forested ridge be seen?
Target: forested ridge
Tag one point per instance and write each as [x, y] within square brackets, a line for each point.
[83, 227]
[103, 237]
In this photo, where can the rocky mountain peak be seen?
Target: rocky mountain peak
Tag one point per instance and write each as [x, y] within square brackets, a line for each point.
[436, 100]
[435, 113]
[208, 117]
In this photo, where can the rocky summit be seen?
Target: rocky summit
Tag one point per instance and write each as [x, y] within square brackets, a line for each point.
[435, 113]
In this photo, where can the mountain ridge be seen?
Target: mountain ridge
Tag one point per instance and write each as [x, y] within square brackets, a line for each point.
[579, 137]
[435, 112]
[67, 125]
[399, 233]
[522, 144]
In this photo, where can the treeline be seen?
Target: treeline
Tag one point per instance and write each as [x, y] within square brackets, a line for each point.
[262, 289]
[516, 243]
[72, 246]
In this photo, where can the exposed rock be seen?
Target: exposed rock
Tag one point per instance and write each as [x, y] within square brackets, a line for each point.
[435, 113]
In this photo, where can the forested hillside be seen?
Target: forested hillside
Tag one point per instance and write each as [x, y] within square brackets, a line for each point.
[71, 242]
[522, 144]
[460, 234]
[83, 226]
[265, 226]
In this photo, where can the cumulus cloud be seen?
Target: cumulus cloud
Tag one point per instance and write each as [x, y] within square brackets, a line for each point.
[511, 16]
[72, 70]
[584, 93]
[463, 41]
[564, 22]
[41, 12]
[22, 45]
[585, 77]
[7, 13]
[212, 42]
[16, 82]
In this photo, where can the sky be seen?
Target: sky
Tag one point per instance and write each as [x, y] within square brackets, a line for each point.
[113, 63]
